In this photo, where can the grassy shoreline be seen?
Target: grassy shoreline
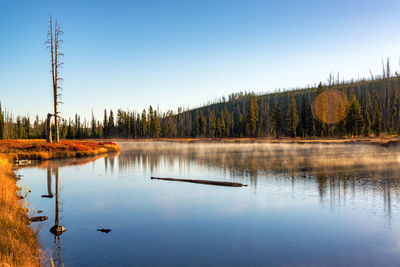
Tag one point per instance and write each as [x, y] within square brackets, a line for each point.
[39, 149]
[18, 243]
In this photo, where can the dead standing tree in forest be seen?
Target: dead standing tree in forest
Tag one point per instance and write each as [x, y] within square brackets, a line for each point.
[54, 43]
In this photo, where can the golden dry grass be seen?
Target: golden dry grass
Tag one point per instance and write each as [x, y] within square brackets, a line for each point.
[18, 244]
[39, 149]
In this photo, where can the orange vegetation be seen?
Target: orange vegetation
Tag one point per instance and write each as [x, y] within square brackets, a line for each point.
[18, 245]
[41, 150]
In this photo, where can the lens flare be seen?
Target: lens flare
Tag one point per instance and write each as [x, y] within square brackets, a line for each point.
[330, 106]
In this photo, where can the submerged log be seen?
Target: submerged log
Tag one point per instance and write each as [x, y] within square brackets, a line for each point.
[218, 183]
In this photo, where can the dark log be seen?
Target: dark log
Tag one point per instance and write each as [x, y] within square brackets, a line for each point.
[209, 182]
[104, 230]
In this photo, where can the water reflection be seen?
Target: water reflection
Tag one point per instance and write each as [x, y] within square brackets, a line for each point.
[305, 205]
[339, 171]
[49, 184]
[53, 169]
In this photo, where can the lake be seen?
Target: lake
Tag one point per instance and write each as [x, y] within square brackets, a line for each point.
[305, 204]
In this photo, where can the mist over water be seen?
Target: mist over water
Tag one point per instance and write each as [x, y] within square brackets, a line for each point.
[305, 204]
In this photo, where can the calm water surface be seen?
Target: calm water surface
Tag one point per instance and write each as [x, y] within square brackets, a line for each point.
[304, 205]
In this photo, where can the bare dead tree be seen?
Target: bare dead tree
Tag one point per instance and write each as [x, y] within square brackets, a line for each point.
[54, 42]
[48, 127]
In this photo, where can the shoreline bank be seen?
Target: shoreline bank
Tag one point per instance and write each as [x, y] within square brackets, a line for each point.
[18, 243]
[39, 149]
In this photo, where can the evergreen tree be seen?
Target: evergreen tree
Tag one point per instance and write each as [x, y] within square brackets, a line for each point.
[292, 117]
[143, 124]
[310, 121]
[201, 124]
[179, 123]
[228, 122]
[93, 127]
[355, 117]
[377, 122]
[211, 124]
[303, 117]
[138, 126]
[276, 120]
[252, 116]
[394, 110]
[320, 112]
[367, 125]
[170, 123]
[105, 125]
[111, 124]
[157, 125]
[151, 126]
[220, 125]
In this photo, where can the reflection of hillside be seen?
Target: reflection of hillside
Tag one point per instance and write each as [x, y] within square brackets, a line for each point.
[338, 170]
[273, 157]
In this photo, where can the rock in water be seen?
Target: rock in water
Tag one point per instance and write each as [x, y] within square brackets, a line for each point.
[38, 218]
[104, 230]
[57, 229]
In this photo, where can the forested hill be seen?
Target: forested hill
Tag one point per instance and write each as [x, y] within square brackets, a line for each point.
[360, 108]
[357, 108]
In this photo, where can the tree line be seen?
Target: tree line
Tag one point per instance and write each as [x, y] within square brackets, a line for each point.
[335, 109]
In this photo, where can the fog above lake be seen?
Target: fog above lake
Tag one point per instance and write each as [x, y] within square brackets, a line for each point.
[253, 157]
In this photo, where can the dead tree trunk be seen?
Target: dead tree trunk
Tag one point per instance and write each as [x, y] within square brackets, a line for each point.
[54, 45]
[48, 128]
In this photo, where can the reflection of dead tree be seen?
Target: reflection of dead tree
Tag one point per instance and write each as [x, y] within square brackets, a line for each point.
[54, 43]
[57, 229]
[49, 183]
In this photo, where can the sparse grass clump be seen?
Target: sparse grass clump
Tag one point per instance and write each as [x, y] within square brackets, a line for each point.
[18, 244]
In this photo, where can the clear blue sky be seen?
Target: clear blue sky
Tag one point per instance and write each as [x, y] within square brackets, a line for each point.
[130, 54]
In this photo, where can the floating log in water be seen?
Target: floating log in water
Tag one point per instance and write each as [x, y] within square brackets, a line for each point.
[104, 230]
[219, 183]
